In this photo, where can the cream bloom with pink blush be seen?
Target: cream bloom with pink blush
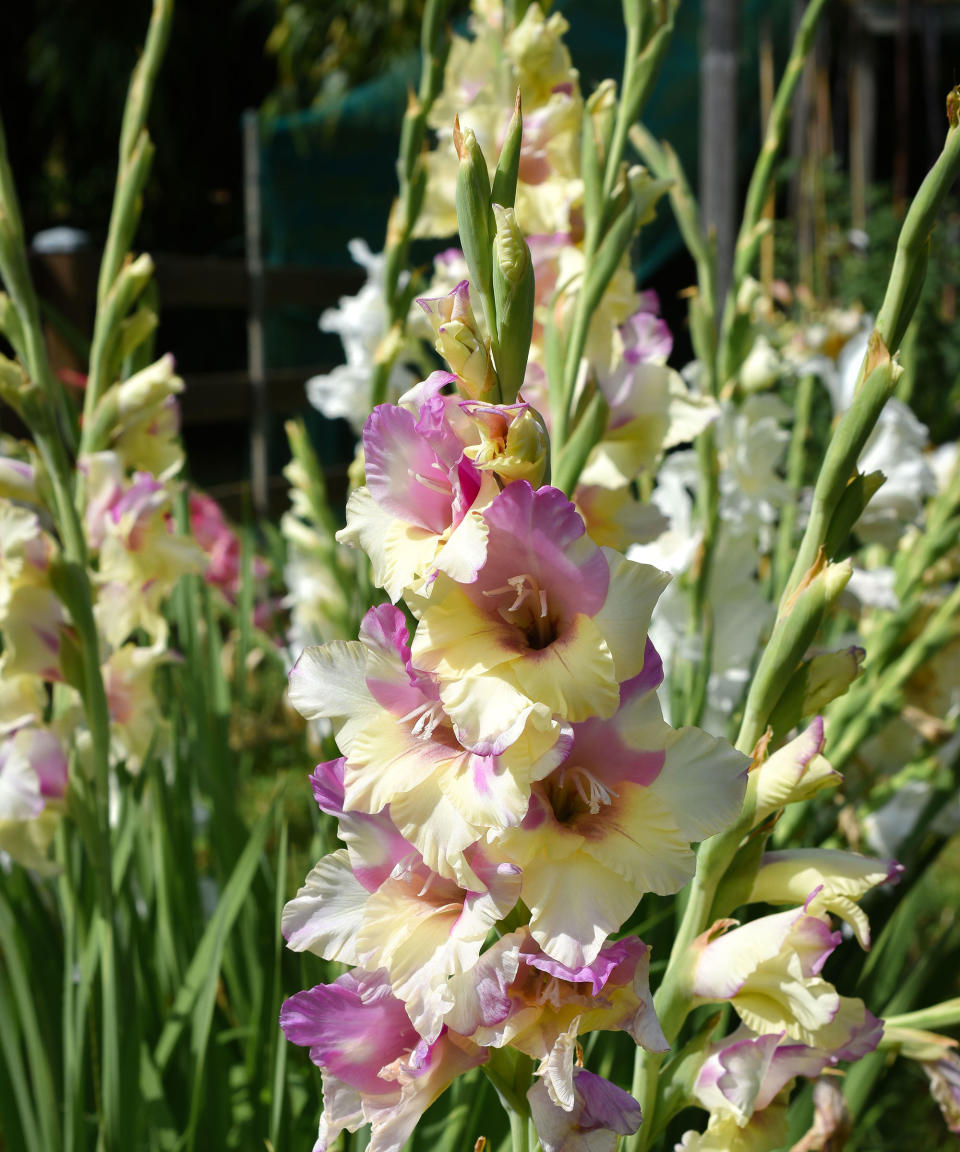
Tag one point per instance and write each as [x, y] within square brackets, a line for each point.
[550, 618]
[617, 819]
[400, 747]
[376, 1068]
[411, 518]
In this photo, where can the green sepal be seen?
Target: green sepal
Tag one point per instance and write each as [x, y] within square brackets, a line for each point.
[10, 325]
[71, 660]
[508, 166]
[69, 581]
[35, 408]
[734, 889]
[13, 382]
[135, 330]
[675, 1082]
[586, 436]
[797, 624]
[596, 134]
[614, 244]
[511, 1074]
[513, 290]
[646, 191]
[818, 681]
[850, 507]
[474, 214]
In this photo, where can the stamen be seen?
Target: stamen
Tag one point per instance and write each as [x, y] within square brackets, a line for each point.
[594, 794]
[426, 717]
[434, 485]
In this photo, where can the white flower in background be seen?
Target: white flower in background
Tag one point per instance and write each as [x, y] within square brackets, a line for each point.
[361, 322]
[896, 448]
[751, 440]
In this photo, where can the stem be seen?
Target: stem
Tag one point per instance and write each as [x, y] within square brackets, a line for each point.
[605, 245]
[903, 289]
[796, 459]
[411, 177]
[136, 154]
[751, 228]
[518, 1132]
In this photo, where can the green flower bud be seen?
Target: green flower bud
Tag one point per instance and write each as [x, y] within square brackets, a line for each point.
[474, 217]
[508, 166]
[513, 442]
[513, 296]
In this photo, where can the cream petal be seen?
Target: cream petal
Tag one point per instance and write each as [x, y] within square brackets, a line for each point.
[702, 783]
[325, 915]
[624, 618]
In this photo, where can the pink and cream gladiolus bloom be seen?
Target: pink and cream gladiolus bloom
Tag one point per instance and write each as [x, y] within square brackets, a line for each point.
[518, 996]
[460, 341]
[221, 544]
[415, 515]
[598, 1115]
[376, 1069]
[550, 619]
[140, 555]
[31, 616]
[401, 749]
[744, 1073]
[836, 879]
[33, 781]
[794, 772]
[770, 970]
[376, 904]
[617, 819]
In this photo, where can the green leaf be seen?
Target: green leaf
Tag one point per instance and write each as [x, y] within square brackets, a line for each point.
[195, 1000]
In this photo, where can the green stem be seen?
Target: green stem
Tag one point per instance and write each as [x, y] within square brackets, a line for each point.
[605, 245]
[874, 386]
[135, 156]
[411, 177]
[518, 1132]
[752, 226]
[796, 461]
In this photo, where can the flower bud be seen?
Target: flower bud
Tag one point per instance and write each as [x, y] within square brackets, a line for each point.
[513, 441]
[460, 342]
[147, 388]
[474, 217]
[508, 166]
[513, 289]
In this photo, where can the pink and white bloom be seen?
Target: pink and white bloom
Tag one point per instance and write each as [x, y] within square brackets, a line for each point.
[521, 997]
[599, 1114]
[33, 779]
[401, 748]
[378, 905]
[550, 619]
[461, 342]
[412, 518]
[836, 879]
[376, 1068]
[220, 542]
[796, 771]
[140, 555]
[31, 616]
[770, 970]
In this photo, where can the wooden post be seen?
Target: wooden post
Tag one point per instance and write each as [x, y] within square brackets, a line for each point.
[256, 352]
[718, 131]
